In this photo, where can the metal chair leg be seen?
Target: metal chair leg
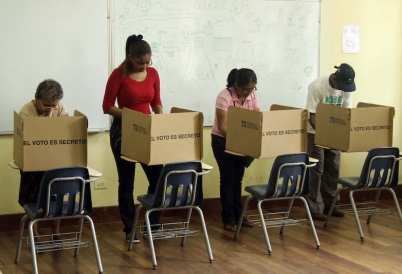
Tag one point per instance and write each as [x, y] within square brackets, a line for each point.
[331, 208]
[243, 211]
[134, 227]
[33, 249]
[187, 224]
[81, 224]
[290, 204]
[310, 220]
[359, 227]
[21, 233]
[398, 209]
[377, 196]
[150, 238]
[206, 238]
[95, 241]
[264, 227]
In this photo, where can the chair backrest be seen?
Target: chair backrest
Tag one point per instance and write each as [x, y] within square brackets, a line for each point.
[179, 185]
[63, 192]
[289, 175]
[380, 168]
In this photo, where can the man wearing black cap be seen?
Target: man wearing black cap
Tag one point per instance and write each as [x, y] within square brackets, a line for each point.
[333, 89]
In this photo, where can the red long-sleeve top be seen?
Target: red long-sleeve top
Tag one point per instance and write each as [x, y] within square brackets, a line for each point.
[138, 96]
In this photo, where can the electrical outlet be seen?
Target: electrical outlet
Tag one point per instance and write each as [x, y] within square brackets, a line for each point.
[100, 184]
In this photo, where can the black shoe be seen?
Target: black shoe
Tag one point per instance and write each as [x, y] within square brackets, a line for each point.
[128, 238]
[154, 228]
[318, 216]
[145, 232]
[56, 239]
[39, 245]
[336, 212]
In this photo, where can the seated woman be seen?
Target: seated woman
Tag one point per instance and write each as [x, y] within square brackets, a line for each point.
[46, 104]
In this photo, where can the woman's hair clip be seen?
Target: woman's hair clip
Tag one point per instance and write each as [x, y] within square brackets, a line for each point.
[133, 38]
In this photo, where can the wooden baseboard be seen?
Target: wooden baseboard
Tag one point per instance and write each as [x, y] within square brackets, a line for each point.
[10, 222]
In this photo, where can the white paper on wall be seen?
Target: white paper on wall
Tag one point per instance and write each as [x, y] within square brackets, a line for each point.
[351, 39]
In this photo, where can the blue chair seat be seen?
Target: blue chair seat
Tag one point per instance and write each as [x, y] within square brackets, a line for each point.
[349, 182]
[147, 200]
[31, 210]
[257, 191]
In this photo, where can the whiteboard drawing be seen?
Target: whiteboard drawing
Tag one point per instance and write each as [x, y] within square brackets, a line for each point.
[196, 43]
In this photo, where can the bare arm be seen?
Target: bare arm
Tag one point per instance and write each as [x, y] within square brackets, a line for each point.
[115, 112]
[312, 120]
[157, 109]
[222, 117]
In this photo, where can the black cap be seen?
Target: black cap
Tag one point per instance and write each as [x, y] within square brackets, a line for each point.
[345, 77]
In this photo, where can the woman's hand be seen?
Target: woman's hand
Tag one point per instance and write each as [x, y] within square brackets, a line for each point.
[157, 109]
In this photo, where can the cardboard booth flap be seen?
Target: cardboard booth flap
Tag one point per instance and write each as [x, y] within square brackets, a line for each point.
[162, 138]
[266, 134]
[354, 129]
[42, 143]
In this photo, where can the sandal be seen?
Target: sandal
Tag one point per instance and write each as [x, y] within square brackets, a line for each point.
[230, 227]
[247, 223]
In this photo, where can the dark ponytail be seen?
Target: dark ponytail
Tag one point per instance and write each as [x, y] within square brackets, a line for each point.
[136, 47]
[231, 78]
[241, 76]
[131, 39]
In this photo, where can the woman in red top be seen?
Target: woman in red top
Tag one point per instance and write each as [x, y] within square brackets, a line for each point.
[135, 85]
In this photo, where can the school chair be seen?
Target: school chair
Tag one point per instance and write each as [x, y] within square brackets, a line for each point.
[65, 193]
[380, 172]
[288, 181]
[179, 187]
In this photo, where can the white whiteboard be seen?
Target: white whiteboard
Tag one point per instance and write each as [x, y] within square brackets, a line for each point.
[66, 40]
[196, 43]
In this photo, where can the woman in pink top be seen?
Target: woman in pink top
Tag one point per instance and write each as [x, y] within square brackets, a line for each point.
[239, 92]
[135, 85]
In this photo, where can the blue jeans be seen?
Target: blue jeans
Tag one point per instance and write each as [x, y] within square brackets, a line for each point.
[231, 170]
[126, 174]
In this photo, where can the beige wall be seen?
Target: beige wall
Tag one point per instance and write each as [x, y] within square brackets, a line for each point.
[378, 65]
[378, 69]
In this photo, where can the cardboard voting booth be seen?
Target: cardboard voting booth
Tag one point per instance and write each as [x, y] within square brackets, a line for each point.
[43, 143]
[267, 134]
[155, 139]
[354, 129]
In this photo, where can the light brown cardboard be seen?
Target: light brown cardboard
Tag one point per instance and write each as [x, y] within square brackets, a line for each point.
[354, 129]
[162, 138]
[267, 134]
[43, 143]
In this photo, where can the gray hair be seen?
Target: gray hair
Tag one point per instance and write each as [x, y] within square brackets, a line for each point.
[49, 89]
